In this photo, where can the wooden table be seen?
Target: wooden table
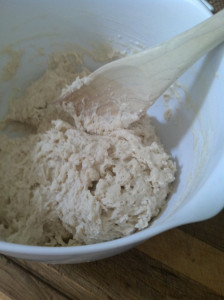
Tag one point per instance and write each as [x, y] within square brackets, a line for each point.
[183, 263]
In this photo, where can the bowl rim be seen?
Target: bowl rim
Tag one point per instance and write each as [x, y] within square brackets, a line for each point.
[137, 237]
[130, 240]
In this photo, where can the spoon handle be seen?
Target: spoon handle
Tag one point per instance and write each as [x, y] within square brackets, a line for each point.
[132, 84]
[163, 64]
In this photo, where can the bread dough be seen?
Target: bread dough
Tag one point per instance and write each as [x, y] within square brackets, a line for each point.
[64, 186]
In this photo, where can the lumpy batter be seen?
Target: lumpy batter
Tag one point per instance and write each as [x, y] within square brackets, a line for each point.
[62, 185]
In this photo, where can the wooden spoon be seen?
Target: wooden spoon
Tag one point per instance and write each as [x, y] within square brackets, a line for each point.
[129, 86]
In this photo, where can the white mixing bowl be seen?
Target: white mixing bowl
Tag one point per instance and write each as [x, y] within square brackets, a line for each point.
[194, 134]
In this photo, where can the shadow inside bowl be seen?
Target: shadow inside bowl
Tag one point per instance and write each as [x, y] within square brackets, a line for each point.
[188, 111]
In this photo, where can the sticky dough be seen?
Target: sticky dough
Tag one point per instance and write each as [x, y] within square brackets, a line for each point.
[64, 186]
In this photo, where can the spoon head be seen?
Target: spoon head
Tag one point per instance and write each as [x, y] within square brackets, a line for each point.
[113, 96]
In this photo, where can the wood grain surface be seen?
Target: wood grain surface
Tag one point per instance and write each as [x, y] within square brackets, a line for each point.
[183, 263]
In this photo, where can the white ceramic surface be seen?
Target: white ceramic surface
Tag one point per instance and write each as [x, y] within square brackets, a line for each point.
[194, 134]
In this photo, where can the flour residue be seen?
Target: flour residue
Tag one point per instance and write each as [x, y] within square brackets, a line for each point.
[13, 62]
